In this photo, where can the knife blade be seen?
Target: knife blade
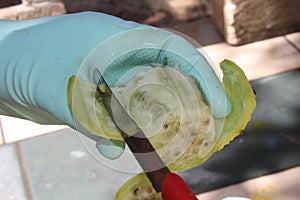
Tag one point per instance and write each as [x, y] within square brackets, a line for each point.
[140, 146]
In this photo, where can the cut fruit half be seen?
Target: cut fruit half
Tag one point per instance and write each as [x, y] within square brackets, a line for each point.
[242, 99]
[166, 103]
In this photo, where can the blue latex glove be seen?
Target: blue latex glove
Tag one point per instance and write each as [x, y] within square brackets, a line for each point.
[37, 58]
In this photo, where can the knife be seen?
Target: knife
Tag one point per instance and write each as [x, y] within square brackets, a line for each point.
[170, 184]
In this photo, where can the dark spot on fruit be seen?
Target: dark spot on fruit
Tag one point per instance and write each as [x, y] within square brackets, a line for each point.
[177, 154]
[166, 126]
[206, 122]
[205, 144]
[143, 98]
[135, 191]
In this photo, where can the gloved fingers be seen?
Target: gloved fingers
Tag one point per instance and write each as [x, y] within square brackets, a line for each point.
[126, 54]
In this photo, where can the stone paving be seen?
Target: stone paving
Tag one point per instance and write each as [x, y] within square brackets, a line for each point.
[11, 181]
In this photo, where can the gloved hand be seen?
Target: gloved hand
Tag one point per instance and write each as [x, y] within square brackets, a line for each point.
[37, 58]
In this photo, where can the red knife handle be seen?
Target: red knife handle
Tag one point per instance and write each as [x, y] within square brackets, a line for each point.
[174, 188]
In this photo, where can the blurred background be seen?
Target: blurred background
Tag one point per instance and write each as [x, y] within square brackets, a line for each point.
[239, 21]
[261, 36]
[144, 11]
